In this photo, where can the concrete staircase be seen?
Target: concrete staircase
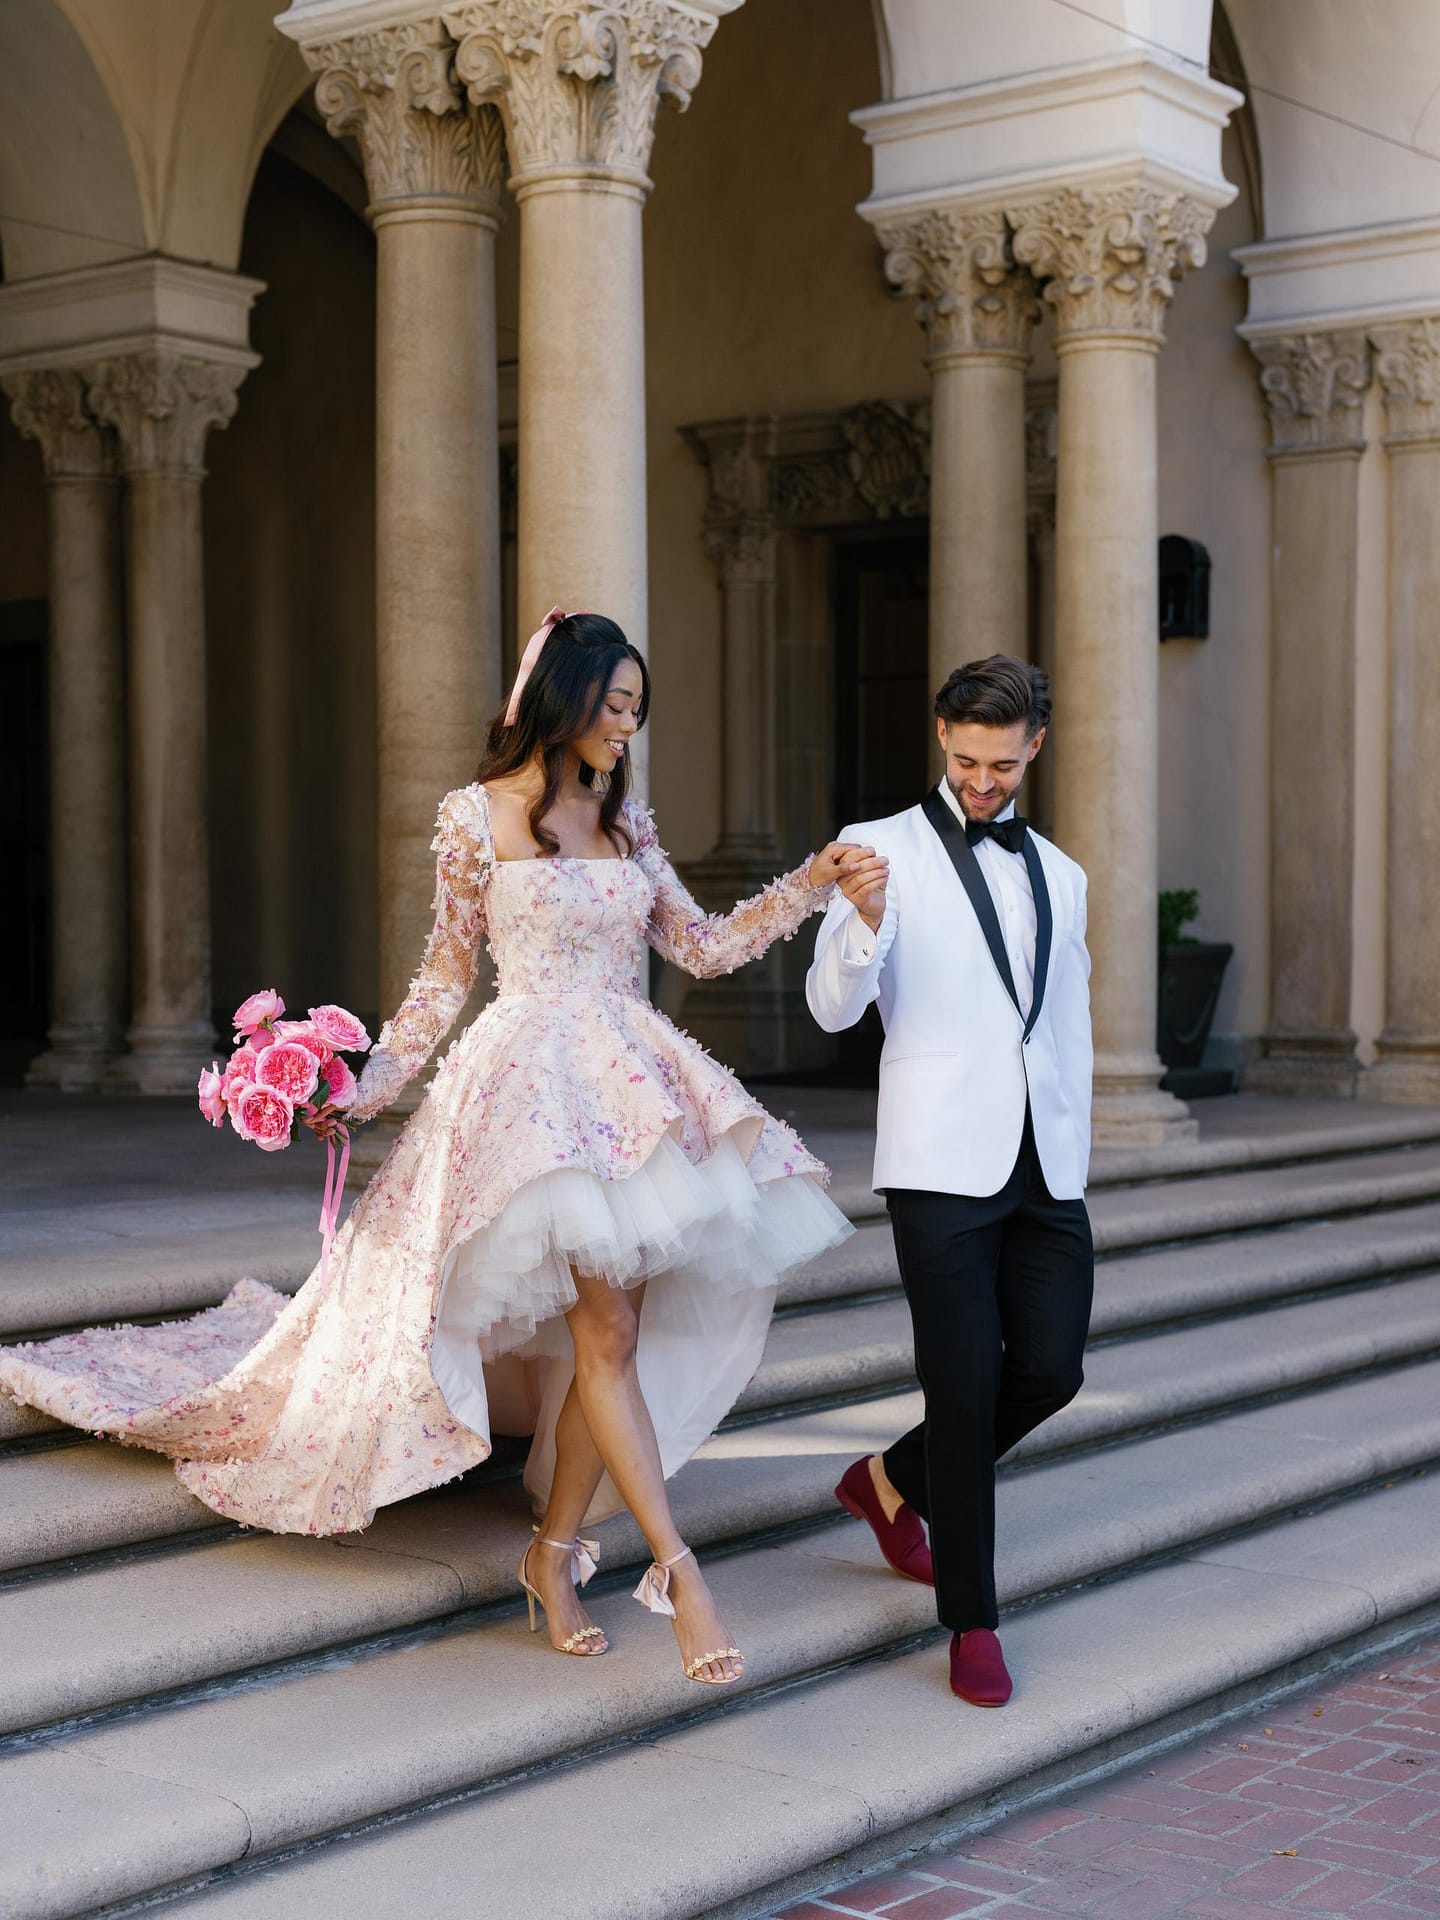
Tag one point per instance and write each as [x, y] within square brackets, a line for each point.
[202, 1721]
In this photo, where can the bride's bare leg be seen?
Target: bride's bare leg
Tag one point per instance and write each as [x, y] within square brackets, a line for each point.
[578, 1468]
[604, 1324]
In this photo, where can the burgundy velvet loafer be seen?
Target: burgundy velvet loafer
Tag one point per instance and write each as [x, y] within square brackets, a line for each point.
[902, 1540]
[977, 1669]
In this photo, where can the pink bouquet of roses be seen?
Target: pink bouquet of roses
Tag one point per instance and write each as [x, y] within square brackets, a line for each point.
[282, 1072]
[282, 1075]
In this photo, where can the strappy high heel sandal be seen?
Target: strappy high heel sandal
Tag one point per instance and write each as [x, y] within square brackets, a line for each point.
[583, 1558]
[654, 1592]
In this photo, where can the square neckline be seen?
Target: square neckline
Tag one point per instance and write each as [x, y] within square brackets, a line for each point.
[549, 859]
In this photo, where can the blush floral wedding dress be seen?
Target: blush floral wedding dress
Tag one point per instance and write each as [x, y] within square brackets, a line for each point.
[571, 1125]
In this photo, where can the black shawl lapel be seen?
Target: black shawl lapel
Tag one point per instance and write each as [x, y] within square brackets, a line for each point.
[1044, 928]
[962, 858]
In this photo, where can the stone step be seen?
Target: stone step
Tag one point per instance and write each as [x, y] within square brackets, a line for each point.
[734, 1811]
[65, 1502]
[1141, 1380]
[1177, 1244]
[1239, 1131]
[1134, 1290]
[103, 1272]
[724, 1797]
[122, 1631]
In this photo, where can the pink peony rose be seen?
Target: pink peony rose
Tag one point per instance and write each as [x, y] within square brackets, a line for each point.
[231, 1088]
[242, 1064]
[288, 1069]
[261, 1038]
[304, 1033]
[341, 1082]
[212, 1098]
[340, 1029]
[262, 1006]
[264, 1116]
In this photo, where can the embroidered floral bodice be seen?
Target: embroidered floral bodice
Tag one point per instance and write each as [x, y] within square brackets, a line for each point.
[561, 926]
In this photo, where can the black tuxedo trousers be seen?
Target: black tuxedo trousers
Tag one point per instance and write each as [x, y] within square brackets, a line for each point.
[999, 1292]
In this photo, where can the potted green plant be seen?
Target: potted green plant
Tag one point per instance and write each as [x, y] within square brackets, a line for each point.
[1191, 973]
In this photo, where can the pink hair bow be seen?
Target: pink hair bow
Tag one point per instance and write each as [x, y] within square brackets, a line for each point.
[527, 659]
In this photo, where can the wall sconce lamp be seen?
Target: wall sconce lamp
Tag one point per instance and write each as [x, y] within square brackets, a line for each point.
[1184, 589]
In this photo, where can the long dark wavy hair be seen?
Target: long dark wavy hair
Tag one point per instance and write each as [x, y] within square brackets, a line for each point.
[560, 702]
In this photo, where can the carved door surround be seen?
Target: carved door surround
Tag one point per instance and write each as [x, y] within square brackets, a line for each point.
[781, 488]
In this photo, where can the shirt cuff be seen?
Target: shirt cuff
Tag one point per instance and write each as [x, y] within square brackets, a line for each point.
[857, 942]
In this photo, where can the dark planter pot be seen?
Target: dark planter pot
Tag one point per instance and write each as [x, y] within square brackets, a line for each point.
[1190, 977]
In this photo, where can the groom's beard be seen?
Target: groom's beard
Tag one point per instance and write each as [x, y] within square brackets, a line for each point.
[997, 805]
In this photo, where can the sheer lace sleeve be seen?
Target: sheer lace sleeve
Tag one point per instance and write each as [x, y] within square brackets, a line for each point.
[707, 944]
[464, 854]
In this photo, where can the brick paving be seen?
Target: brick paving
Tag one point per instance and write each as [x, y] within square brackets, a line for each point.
[1328, 1805]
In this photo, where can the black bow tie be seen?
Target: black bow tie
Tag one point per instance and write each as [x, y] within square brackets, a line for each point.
[1010, 833]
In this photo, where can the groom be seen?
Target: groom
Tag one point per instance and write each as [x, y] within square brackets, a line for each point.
[969, 930]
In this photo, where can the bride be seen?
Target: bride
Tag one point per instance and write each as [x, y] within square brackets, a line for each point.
[577, 1235]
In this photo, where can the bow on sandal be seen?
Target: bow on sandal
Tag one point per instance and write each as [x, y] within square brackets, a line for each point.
[654, 1592]
[584, 1560]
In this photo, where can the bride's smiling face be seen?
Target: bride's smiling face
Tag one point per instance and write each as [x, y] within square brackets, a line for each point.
[606, 741]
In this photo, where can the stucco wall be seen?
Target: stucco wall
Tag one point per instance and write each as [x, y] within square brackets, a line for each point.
[1214, 485]
[289, 555]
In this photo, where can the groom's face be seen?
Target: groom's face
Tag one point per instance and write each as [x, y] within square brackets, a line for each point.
[986, 765]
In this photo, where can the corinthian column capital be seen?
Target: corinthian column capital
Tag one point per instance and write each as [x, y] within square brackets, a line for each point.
[971, 296]
[49, 405]
[579, 85]
[1407, 364]
[162, 405]
[1110, 256]
[1314, 389]
[395, 90]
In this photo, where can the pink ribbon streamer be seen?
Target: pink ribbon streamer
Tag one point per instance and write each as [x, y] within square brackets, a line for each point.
[330, 1205]
[533, 648]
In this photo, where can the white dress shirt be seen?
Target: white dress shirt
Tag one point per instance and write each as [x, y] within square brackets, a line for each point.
[1008, 878]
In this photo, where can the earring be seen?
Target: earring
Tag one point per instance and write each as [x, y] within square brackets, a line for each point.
[600, 784]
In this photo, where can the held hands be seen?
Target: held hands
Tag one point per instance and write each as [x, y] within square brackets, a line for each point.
[862, 874]
[325, 1122]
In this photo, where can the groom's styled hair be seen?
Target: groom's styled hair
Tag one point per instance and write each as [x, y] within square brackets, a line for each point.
[996, 693]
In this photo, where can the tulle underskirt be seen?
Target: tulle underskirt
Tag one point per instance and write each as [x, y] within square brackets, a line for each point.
[708, 1242]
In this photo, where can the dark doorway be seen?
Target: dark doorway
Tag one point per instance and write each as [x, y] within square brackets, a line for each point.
[24, 836]
[882, 708]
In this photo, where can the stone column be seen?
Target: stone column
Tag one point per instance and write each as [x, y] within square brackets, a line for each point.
[162, 405]
[1041, 426]
[1314, 388]
[1109, 257]
[742, 1018]
[977, 308]
[433, 165]
[578, 86]
[1407, 361]
[86, 662]
[739, 535]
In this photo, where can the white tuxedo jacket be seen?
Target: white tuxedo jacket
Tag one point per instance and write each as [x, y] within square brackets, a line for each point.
[959, 1060]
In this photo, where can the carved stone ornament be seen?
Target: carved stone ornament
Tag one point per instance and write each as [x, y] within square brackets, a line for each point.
[742, 551]
[48, 405]
[395, 91]
[889, 457]
[162, 406]
[1110, 256]
[1407, 364]
[814, 489]
[972, 298]
[578, 85]
[1314, 387]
